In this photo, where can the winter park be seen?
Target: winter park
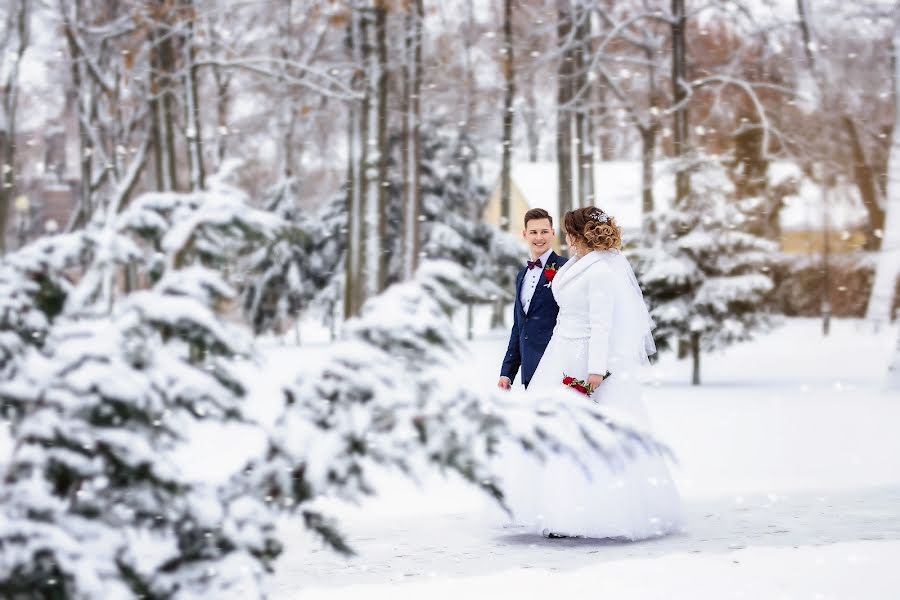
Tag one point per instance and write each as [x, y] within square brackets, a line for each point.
[340, 299]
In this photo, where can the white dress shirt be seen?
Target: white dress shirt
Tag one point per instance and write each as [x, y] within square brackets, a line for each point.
[530, 281]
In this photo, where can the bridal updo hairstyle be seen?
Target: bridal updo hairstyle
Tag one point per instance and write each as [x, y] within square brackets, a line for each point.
[594, 228]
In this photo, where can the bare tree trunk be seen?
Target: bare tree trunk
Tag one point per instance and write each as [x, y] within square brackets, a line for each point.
[498, 312]
[584, 151]
[194, 131]
[887, 269]
[17, 19]
[803, 13]
[405, 142]
[509, 94]
[351, 257]
[155, 110]
[530, 119]
[563, 108]
[168, 120]
[865, 179]
[85, 202]
[357, 131]
[411, 151]
[368, 168]
[382, 122]
[604, 144]
[648, 142]
[167, 67]
[679, 94]
[469, 40]
[221, 135]
[419, 28]
[648, 152]
[695, 359]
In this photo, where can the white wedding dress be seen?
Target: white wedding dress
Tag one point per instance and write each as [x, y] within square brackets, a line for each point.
[603, 325]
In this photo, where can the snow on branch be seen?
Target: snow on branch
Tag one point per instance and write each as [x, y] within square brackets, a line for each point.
[392, 395]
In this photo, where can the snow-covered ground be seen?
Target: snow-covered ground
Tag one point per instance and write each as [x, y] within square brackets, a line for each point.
[789, 466]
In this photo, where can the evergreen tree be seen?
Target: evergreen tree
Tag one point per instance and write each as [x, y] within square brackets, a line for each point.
[33, 289]
[453, 200]
[705, 277]
[284, 276]
[93, 503]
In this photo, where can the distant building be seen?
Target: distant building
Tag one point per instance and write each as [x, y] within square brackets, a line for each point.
[618, 191]
[48, 182]
[617, 188]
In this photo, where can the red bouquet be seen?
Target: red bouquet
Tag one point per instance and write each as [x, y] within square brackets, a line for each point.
[578, 385]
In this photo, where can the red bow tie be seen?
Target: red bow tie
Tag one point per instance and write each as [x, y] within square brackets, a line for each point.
[534, 263]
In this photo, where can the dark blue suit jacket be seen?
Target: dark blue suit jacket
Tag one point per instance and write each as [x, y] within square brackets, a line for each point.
[531, 331]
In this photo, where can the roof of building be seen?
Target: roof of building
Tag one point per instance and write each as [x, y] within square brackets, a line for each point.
[617, 188]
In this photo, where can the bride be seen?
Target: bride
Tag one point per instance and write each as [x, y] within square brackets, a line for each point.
[603, 327]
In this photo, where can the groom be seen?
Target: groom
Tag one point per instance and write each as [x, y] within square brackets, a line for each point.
[535, 310]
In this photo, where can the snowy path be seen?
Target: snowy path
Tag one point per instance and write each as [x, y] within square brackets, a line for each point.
[431, 548]
[790, 468]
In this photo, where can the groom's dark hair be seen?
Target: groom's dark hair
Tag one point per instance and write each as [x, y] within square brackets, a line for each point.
[537, 213]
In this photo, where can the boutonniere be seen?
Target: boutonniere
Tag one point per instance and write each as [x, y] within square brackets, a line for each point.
[550, 273]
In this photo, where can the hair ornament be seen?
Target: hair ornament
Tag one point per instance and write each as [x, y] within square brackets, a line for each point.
[600, 216]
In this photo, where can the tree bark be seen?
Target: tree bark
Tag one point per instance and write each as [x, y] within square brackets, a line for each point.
[563, 108]
[85, 153]
[221, 135]
[382, 122]
[419, 28]
[405, 141]
[695, 359]
[508, 97]
[357, 184]
[369, 165]
[155, 110]
[679, 94]
[16, 19]
[865, 179]
[584, 151]
[887, 269]
[194, 130]
[411, 145]
[167, 68]
[351, 256]
[648, 153]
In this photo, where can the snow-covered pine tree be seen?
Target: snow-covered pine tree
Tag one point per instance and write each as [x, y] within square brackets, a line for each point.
[93, 504]
[453, 200]
[391, 395]
[282, 277]
[33, 288]
[705, 276]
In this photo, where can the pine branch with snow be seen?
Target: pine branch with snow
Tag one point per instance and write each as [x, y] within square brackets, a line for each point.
[94, 504]
[452, 202]
[283, 276]
[390, 396]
